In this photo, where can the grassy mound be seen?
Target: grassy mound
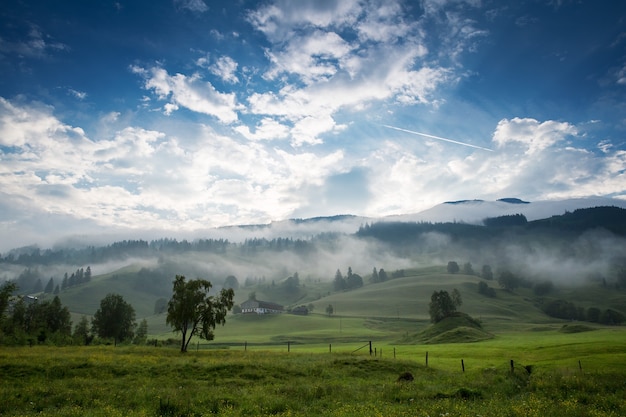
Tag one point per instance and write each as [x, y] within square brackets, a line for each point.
[575, 328]
[459, 328]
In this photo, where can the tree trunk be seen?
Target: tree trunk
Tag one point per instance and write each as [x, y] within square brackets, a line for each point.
[183, 345]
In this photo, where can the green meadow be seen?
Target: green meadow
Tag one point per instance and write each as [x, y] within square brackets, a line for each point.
[516, 361]
[554, 374]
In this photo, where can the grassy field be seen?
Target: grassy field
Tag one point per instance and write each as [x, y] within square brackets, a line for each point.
[320, 365]
[555, 374]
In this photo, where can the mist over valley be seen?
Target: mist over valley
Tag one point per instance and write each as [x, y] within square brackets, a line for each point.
[296, 262]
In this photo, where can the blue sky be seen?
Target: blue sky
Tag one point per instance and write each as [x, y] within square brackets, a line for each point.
[182, 115]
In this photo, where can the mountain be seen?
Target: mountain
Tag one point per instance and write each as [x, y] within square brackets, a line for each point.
[475, 211]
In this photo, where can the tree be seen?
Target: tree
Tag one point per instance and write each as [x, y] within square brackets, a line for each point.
[231, 282]
[339, 283]
[114, 319]
[192, 311]
[354, 281]
[330, 310]
[487, 273]
[442, 305]
[382, 275]
[5, 292]
[49, 286]
[593, 314]
[485, 289]
[141, 335]
[160, 306]
[374, 275]
[453, 267]
[81, 332]
[468, 269]
[508, 280]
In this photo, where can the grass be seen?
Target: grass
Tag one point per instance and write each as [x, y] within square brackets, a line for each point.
[143, 381]
[573, 371]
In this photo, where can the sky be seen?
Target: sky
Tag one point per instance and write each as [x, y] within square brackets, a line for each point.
[177, 116]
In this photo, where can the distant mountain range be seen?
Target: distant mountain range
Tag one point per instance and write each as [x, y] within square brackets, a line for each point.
[471, 212]
[475, 211]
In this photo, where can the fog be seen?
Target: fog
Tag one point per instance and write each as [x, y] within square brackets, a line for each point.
[333, 243]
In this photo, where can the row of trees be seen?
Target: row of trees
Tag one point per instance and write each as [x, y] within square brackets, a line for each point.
[31, 280]
[32, 256]
[567, 310]
[32, 321]
[192, 311]
[349, 282]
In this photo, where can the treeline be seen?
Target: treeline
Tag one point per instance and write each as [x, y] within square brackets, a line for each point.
[31, 280]
[29, 320]
[567, 310]
[32, 256]
[612, 219]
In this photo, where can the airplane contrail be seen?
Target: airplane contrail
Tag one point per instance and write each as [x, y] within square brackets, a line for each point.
[438, 138]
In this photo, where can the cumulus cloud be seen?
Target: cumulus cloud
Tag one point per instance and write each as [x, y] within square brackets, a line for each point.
[226, 69]
[266, 129]
[140, 178]
[532, 135]
[190, 92]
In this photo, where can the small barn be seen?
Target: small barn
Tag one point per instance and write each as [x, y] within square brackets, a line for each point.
[260, 307]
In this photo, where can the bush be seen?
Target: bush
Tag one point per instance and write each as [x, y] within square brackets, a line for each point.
[486, 290]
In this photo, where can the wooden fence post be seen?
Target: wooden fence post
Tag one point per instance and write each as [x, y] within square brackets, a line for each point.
[512, 366]
[427, 359]
[370, 348]
[462, 365]
[394, 352]
[330, 348]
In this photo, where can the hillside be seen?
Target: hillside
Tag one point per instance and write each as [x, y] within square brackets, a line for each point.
[390, 310]
[563, 265]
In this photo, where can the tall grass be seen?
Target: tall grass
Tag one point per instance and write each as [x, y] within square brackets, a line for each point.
[133, 381]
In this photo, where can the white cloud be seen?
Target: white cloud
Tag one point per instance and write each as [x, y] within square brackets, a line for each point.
[226, 69]
[197, 6]
[531, 134]
[276, 20]
[267, 129]
[81, 95]
[314, 57]
[191, 93]
[148, 179]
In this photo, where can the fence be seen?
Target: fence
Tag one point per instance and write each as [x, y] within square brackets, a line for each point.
[368, 348]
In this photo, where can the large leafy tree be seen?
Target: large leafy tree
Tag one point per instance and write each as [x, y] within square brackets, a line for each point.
[193, 312]
[114, 319]
[7, 289]
[442, 304]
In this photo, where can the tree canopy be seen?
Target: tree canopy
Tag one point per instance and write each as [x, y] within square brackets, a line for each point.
[193, 312]
[442, 304]
[114, 319]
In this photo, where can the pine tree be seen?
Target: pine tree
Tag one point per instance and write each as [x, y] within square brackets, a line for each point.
[49, 286]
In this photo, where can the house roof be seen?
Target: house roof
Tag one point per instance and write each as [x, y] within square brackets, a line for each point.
[261, 304]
